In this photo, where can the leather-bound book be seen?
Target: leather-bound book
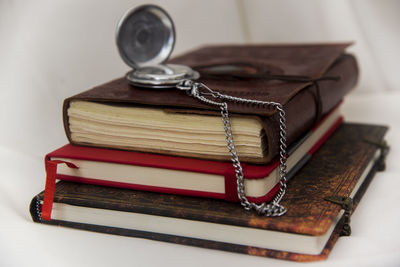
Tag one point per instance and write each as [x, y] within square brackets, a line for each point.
[320, 200]
[308, 80]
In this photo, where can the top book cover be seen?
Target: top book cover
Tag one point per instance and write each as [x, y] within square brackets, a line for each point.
[309, 80]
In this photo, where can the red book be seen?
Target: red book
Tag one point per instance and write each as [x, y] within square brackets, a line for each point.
[178, 175]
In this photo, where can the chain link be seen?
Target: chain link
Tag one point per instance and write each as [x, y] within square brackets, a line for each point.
[37, 206]
[274, 208]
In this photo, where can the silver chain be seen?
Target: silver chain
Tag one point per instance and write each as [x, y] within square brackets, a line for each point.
[37, 206]
[268, 209]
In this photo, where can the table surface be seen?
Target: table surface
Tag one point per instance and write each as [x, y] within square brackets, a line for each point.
[375, 239]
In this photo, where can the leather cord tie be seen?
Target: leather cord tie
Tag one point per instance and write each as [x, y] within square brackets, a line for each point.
[245, 71]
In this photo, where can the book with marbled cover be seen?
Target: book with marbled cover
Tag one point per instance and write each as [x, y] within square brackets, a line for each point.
[334, 170]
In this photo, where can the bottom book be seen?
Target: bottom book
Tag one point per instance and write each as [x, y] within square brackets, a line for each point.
[320, 200]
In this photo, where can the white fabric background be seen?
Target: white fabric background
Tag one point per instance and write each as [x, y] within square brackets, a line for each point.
[50, 50]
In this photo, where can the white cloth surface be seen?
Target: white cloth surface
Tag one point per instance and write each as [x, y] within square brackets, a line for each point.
[50, 50]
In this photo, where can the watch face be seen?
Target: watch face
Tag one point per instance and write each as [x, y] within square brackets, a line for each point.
[161, 76]
[145, 36]
[163, 72]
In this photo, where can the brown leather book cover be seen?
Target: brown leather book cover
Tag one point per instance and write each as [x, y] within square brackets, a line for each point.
[350, 155]
[309, 80]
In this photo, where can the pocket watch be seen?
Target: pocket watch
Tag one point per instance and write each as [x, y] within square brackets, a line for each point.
[145, 39]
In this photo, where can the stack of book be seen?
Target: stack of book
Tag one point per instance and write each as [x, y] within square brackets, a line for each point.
[155, 164]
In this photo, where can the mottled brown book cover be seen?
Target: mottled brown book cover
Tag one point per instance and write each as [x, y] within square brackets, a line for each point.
[334, 170]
